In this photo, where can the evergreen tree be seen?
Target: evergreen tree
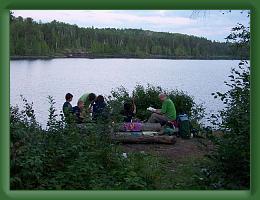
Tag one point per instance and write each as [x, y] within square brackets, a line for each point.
[57, 38]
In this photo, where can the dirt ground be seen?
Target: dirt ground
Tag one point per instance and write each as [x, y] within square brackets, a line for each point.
[183, 148]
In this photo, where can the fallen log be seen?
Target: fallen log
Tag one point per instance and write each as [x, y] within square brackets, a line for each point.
[144, 139]
[136, 134]
[151, 127]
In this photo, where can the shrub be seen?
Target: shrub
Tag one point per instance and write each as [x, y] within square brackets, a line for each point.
[63, 156]
[232, 154]
[148, 96]
[66, 157]
[231, 159]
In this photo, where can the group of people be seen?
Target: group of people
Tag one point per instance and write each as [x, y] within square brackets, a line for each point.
[88, 105]
[94, 107]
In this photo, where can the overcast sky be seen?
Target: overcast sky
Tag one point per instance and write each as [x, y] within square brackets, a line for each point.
[210, 24]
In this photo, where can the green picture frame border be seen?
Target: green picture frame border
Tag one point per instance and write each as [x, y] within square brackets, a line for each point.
[7, 5]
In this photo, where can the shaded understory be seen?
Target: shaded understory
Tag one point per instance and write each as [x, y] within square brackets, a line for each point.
[184, 161]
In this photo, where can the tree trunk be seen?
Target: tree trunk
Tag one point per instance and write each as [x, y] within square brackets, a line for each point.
[144, 139]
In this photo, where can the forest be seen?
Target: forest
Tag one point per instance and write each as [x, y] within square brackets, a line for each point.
[64, 157]
[58, 39]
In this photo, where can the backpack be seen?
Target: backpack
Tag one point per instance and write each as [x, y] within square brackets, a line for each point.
[184, 126]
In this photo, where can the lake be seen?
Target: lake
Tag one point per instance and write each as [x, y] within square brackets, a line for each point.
[36, 79]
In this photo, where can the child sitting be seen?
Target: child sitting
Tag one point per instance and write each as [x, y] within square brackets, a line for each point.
[129, 111]
[79, 112]
[67, 108]
[99, 109]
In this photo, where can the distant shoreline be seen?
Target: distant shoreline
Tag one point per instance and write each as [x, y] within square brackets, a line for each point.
[126, 57]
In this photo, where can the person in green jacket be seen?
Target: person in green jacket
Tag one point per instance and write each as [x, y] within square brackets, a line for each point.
[166, 113]
[88, 99]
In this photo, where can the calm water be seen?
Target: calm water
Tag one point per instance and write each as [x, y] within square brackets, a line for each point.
[36, 79]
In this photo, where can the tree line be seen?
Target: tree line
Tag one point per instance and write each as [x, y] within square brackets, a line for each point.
[31, 38]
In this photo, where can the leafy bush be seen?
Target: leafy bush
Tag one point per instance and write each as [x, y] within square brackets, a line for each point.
[148, 96]
[231, 159]
[232, 155]
[66, 157]
[63, 156]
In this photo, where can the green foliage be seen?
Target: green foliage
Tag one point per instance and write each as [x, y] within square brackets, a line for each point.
[29, 38]
[68, 157]
[65, 156]
[232, 155]
[231, 158]
[240, 37]
[148, 96]
[189, 174]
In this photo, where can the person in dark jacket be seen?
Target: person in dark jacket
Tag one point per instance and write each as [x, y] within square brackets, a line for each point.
[129, 111]
[99, 109]
[67, 108]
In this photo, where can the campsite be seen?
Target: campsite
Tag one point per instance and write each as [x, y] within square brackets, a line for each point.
[119, 107]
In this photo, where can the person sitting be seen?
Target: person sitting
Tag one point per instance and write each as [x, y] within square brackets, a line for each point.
[79, 112]
[67, 108]
[88, 100]
[129, 111]
[166, 113]
[99, 109]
